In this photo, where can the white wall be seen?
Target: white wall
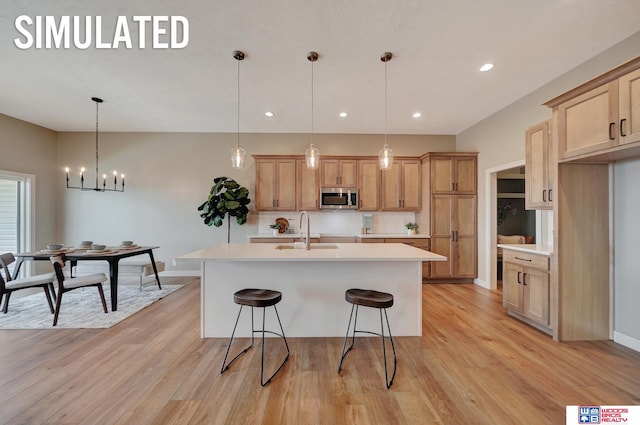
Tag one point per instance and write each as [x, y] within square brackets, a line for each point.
[500, 138]
[169, 175]
[626, 237]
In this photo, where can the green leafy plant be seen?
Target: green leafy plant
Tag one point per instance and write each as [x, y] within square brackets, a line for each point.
[276, 226]
[505, 210]
[226, 198]
[411, 226]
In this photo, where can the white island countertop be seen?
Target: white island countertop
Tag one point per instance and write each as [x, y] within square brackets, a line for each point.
[319, 252]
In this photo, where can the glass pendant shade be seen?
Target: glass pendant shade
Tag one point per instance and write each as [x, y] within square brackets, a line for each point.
[312, 156]
[237, 157]
[385, 158]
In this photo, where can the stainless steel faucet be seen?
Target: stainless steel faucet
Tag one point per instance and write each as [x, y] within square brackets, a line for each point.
[308, 238]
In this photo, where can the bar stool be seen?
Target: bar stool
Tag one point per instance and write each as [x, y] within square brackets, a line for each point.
[374, 299]
[256, 298]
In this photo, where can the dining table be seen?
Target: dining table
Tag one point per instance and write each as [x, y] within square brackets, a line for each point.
[111, 255]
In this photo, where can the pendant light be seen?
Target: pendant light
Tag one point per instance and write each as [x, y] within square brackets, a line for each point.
[385, 156]
[312, 154]
[238, 153]
[97, 187]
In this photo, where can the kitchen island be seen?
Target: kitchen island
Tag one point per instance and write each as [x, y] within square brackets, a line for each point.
[313, 284]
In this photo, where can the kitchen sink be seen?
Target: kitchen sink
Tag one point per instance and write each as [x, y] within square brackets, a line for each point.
[301, 246]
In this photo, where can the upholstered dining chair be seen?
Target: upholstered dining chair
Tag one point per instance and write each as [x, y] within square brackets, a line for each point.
[66, 285]
[8, 285]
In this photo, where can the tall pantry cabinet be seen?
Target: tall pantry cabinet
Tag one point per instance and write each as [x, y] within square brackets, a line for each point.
[450, 180]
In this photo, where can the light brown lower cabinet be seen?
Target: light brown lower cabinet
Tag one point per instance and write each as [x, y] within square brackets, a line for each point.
[421, 243]
[525, 287]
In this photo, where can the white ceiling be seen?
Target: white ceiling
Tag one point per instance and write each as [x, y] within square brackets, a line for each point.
[438, 46]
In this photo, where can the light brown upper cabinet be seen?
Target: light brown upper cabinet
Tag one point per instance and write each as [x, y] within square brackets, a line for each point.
[453, 174]
[338, 172]
[368, 185]
[275, 184]
[538, 169]
[600, 116]
[588, 123]
[401, 190]
[629, 107]
[308, 189]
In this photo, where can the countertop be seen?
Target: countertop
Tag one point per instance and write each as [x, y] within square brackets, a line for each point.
[529, 248]
[323, 252]
[391, 236]
[283, 235]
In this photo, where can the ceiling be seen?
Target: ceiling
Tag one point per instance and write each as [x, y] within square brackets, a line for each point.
[438, 48]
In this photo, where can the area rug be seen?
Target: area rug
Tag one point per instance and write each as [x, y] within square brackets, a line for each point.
[80, 308]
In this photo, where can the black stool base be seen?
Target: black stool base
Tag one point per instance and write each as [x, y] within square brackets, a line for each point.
[345, 349]
[226, 365]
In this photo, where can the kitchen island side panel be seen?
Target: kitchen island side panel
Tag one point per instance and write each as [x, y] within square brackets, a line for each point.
[313, 296]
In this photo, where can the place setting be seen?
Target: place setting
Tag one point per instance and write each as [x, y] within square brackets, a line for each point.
[56, 249]
[91, 248]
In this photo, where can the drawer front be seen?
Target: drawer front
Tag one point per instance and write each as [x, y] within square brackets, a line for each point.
[525, 259]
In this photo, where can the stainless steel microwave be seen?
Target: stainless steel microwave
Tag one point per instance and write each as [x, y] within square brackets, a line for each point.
[339, 198]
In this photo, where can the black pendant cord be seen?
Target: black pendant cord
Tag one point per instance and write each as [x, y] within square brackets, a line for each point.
[312, 101]
[97, 103]
[238, 116]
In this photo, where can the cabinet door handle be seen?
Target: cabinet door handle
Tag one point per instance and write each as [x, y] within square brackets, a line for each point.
[455, 235]
[524, 278]
[457, 187]
[622, 121]
[519, 273]
[453, 187]
[611, 128]
[550, 195]
[523, 259]
[544, 195]
[273, 203]
[452, 236]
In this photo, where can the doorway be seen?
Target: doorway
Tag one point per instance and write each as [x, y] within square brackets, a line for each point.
[515, 224]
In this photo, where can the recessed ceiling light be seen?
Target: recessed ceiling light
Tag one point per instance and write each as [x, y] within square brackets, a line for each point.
[486, 67]
[268, 114]
[343, 114]
[417, 115]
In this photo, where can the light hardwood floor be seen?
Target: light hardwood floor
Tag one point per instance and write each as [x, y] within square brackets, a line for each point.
[474, 365]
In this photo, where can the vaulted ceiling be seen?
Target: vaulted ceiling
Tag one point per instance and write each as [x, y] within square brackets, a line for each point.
[438, 47]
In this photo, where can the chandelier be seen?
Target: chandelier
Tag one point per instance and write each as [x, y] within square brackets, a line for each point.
[98, 187]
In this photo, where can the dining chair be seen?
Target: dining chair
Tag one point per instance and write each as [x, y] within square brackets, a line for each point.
[69, 284]
[8, 285]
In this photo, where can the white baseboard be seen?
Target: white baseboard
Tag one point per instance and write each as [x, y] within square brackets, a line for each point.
[627, 341]
[482, 283]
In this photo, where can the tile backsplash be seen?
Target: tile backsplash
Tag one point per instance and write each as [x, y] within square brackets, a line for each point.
[339, 222]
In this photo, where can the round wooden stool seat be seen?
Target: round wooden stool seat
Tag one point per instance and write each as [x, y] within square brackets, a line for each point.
[369, 298]
[257, 297]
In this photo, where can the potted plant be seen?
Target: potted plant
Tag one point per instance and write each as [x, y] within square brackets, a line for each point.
[226, 198]
[411, 228]
[276, 227]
